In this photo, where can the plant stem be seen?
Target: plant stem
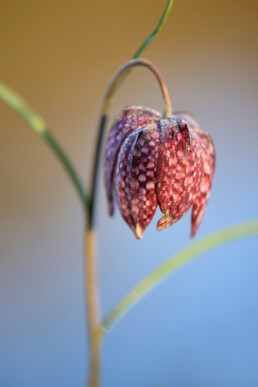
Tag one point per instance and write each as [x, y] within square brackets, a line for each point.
[158, 275]
[119, 74]
[92, 308]
[38, 125]
[155, 32]
[94, 179]
[92, 296]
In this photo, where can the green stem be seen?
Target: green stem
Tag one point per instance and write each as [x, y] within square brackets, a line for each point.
[38, 125]
[94, 177]
[157, 276]
[155, 32]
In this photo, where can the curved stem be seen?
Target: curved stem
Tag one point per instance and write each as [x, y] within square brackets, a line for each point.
[38, 125]
[122, 70]
[157, 276]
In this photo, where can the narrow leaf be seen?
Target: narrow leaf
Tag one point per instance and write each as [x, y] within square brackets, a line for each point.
[39, 126]
[207, 243]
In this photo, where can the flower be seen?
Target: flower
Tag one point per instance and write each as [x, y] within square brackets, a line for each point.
[151, 161]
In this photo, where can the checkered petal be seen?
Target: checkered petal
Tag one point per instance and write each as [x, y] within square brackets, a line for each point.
[129, 120]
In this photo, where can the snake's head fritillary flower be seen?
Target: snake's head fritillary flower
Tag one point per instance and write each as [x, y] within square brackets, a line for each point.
[151, 161]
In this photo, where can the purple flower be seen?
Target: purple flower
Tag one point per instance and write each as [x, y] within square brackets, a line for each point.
[151, 161]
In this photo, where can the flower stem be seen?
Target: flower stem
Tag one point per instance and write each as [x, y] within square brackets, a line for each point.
[92, 308]
[122, 70]
[94, 179]
[207, 243]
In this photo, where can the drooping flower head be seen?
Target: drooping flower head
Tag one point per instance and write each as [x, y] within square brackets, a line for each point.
[150, 161]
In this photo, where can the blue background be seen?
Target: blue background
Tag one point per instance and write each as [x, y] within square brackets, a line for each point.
[199, 327]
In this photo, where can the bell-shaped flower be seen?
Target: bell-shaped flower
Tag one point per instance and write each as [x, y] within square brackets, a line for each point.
[151, 161]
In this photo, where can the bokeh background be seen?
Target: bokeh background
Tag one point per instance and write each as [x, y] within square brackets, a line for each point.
[200, 327]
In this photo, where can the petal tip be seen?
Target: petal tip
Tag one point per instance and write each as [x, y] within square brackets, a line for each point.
[138, 231]
[111, 211]
[110, 207]
[164, 222]
[193, 233]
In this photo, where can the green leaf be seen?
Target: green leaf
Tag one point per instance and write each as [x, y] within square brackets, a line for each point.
[205, 244]
[39, 126]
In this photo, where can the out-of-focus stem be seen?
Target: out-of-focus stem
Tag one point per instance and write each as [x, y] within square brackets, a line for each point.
[92, 308]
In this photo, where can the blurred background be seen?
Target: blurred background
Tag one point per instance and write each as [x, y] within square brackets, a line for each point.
[200, 327]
